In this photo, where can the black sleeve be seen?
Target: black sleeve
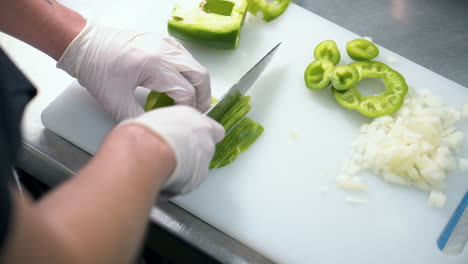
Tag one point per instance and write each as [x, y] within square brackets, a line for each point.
[15, 92]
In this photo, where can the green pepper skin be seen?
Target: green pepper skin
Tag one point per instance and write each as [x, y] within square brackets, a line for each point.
[327, 50]
[207, 23]
[270, 9]
[156, 100]
[238, 116]
[385, 103]
[221, 109]
[237, 141]
[232, 112]
[344, 77]
[362, 50]
[317, 75]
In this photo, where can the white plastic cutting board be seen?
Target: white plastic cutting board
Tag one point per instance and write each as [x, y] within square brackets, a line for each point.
[271, 198]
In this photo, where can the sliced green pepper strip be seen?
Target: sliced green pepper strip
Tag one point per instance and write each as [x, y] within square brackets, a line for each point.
[344, 77]
[238, 116]
[317, 75]
[385, 103]
[271, 9]
[327, 50]
[362, 50]
[214, 23]
[241, 103]
[237, 141]
[156, 100]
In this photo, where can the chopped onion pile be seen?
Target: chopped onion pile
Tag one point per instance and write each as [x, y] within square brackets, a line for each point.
[413, 147]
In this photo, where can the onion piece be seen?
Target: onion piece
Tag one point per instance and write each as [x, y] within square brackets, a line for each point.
[354, 200]
[465, 111]
[463, 164]
[436, 199]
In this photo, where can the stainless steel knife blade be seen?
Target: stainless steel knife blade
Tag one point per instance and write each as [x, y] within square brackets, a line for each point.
[240, 87]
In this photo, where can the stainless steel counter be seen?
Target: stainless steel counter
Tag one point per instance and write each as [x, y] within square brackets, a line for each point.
[430, 32]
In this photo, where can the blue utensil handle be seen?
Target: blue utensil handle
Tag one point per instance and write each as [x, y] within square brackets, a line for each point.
[455, 234]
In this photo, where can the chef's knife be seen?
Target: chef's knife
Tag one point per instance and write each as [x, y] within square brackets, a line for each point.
[240, 87]
[453, 238]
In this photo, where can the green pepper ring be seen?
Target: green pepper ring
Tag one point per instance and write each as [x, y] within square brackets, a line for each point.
[327, 50]
[317, 75]
[270, 9]
[344, 77]
[362, 50]
[385, 103]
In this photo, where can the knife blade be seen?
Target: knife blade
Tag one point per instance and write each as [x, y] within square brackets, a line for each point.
[240, 87]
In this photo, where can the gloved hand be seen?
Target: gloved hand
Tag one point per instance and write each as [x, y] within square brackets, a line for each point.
[192, 136]
[111, 63]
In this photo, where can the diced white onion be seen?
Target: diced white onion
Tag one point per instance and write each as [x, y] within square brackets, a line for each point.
[455, 139]
[350, 182]
[393, 178]
[437, 199]
[465, 111]
[354, 200]
[448, 131]
[413, 147]
[463, 164]
[432, 100]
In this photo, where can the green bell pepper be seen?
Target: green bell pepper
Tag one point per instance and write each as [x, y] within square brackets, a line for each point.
[317, 75]
[156, 100]
[385, 103]
[236, 113]
[237, 141]
[362, 50]
[327, 50]
[214, 23]
[270, 9]
[344, 77]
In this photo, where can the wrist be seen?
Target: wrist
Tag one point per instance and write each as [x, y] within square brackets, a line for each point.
[146, 149]
[73, 24]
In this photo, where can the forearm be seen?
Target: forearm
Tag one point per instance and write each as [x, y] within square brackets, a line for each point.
[100, 214]
[105, 208]
[44, 24]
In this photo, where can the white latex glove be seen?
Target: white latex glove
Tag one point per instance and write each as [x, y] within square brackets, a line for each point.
[111, 63]
[192, 136]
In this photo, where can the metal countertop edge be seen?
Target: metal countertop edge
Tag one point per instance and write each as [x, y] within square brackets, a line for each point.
[167, 215]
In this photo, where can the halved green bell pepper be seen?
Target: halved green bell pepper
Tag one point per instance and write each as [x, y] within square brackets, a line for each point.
[327, 50]
[385, 103]
[270, 9]
[214, 23]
